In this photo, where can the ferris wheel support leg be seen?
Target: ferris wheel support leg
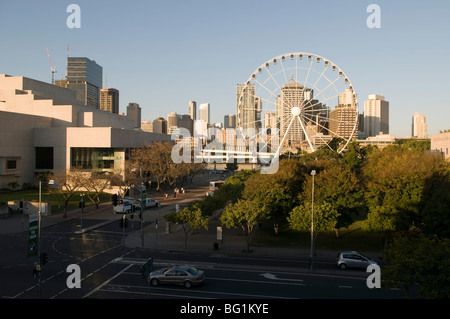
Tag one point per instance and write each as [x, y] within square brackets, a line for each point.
[277, 154]
[307, 137]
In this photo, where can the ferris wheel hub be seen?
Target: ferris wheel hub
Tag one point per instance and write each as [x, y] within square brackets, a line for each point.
[295, 111]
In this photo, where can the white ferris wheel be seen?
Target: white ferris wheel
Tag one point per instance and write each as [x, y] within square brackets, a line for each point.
[304, 98]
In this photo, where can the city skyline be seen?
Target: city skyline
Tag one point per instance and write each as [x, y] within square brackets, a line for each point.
[161, 45]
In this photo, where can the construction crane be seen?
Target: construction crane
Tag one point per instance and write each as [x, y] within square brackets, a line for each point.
[52, 69]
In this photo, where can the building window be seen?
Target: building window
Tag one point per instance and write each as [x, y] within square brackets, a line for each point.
[44, 157]
[99, 159]
[11, 164]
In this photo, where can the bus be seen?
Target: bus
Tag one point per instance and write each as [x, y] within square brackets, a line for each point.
[213, 186]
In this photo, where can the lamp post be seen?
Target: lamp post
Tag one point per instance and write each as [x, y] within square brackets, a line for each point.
[313, 173]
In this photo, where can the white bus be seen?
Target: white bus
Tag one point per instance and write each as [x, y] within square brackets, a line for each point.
[213, 186]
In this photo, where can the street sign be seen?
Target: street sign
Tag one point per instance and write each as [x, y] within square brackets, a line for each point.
[146, 268]
[33, 235]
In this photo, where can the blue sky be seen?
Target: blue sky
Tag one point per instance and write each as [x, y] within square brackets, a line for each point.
[162, 54]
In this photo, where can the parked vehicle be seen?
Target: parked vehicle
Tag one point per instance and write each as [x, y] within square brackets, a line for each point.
[127, 206]
[213, 186]
[353, 259]
[149, 202]
[177, 275]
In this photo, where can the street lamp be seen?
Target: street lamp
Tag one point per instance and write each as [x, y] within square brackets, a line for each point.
[313, 173]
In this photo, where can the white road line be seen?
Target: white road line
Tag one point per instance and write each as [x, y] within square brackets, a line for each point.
[106, 282]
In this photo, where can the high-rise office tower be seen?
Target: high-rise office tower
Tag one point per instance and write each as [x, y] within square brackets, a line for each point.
[109, 100]
[204, 112]
[84, 76]
[292, 94]
[376, 115]
[270, 122]
[186, 122]
[419, 126]
[134, 113]
[193, 110]
[229, 121]
[172, 122]
[245, 106]
[160, 125]
[343, 118]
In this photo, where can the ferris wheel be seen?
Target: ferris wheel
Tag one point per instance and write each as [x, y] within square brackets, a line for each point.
[303, 99]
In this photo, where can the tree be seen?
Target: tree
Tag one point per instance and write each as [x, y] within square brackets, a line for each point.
[191, 219]
[245, 214]
[325, 218]
[418, 260]
[277, 193]
[395, 180]
[67, 184]
[95, 183]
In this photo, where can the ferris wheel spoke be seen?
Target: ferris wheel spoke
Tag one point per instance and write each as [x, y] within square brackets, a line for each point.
[334, 133]
[321, 75]
[306, 134]
[320, 102]
[321, 93]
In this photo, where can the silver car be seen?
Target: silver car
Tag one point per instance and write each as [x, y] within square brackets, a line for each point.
[353, 259]
[187, 276]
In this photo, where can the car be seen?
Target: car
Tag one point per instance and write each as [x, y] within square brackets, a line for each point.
[149, 202]
[353, 259]
[186, 276]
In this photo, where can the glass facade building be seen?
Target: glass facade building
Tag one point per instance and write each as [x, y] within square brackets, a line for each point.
[84, 76]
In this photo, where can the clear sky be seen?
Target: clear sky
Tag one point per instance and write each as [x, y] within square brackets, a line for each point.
[162, 54]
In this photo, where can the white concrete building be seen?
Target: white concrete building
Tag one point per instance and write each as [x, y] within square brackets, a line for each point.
[419, 126]
[441, 143]
[44, 128]
[376, 115]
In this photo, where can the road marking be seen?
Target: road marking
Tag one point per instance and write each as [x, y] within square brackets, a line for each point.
[106, 282]
[273, 277]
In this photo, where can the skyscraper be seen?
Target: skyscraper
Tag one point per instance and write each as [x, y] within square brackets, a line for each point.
[134, 113]
[109, 100]
[376, 115]
[229, 121]
[172, 122]
[419, 126]
[160, 125]
[204, 112]
[343, 118]
[193, 110]
[245, 106]
[84, 76]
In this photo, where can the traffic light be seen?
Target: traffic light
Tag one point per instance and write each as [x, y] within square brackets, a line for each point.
[44, 258]
[81, 204]
[114, 199]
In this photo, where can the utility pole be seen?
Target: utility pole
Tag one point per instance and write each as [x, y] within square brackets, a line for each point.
[313, 173]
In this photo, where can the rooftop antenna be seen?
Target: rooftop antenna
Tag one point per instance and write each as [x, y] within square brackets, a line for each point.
[52, 69]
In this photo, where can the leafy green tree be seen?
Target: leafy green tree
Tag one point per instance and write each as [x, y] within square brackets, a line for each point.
[277, 193]
[190, 218]
[420, 261]
[245, 214]
[394, 180]
[324, 216]
[336, 185]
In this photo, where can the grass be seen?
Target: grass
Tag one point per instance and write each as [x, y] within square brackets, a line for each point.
[56, 201]
[353, 238]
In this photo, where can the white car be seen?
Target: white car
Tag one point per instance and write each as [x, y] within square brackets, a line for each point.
[149, 202]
